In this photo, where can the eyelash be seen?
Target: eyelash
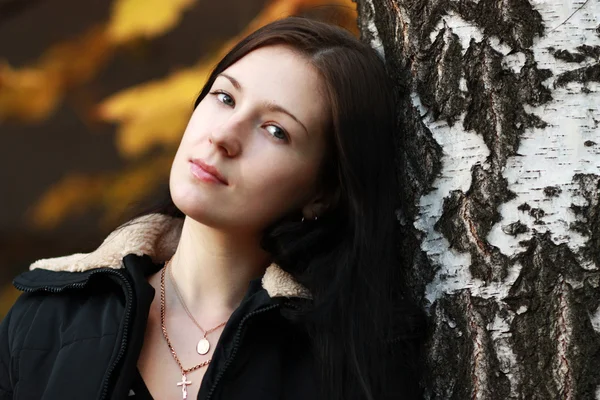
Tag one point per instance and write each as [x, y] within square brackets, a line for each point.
[216, 93]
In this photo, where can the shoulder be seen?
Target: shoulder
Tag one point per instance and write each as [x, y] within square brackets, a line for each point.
[42, 285]
[70, 281]
[90, 302]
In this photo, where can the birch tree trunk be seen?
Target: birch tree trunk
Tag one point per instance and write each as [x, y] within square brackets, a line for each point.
[500, 160]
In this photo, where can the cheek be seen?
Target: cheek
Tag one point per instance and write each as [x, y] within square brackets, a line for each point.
[194, 127]
[284, 185]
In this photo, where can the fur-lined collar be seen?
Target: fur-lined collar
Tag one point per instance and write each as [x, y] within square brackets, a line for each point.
[156, 235]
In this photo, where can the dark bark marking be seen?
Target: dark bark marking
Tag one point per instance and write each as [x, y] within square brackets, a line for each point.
[583, 52]
[496, 99]
[529, 84]
[537, 213]
[557, 334]
[517, 24]
[589, 143]
[567, 56]
[564, 366]
[439, 76]
[447, 368]
[583, 75]
[467, 218]
[552, 191]
[514, 229]
[589, 73]
[588, 216]
[418, 271]
[424, 16]
[418, 154]
[487, 109]
[366, 14]
[478, 351]
[524, 207]
[460, 322]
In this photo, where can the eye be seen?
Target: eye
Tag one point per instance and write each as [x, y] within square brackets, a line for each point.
[277, 132]
[224, 98]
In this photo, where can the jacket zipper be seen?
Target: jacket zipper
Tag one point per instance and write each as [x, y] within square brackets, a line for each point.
[236, 345]
[128, 307]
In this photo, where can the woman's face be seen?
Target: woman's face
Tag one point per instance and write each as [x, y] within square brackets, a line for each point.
[253, 147]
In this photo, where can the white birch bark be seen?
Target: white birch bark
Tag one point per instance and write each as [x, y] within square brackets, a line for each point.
[500, 150]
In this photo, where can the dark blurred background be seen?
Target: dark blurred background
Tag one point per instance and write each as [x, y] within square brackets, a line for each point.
[94, 96]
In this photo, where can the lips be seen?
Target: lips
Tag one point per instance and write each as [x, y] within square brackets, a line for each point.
[206, 169]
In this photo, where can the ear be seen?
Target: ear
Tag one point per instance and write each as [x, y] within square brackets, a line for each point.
[320, 203]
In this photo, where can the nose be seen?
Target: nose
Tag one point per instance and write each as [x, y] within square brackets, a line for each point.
[228, 137]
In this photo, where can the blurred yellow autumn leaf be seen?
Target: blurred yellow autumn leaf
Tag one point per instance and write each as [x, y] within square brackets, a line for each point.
[144, 18]
[152, 113]
[32, 93]
[71, 196]
[112, 193]
[156, 112]
[29, 93]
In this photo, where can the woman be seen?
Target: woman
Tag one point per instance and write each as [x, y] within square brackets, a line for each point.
[268, 273]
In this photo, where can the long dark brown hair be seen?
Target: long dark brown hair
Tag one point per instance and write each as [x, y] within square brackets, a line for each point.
[365, 331]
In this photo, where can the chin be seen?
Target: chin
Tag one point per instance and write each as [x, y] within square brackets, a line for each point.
[196, 206]
[189, 203]
[187, 196]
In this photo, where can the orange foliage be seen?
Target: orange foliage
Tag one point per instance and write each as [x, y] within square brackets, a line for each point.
[32, 93]
[73, 195]
[144, 18]
[112, 193]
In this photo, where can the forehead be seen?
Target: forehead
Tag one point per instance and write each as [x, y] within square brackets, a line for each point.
[277, 74]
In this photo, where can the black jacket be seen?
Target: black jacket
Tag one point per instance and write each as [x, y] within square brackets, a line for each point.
[78, 335]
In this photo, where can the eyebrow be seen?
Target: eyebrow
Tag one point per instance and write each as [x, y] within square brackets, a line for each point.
[270, 106]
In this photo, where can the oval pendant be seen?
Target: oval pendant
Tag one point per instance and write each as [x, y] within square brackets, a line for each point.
[203, 346]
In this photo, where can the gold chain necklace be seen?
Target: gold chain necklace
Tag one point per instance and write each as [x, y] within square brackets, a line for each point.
[184, 382]
[203, 346]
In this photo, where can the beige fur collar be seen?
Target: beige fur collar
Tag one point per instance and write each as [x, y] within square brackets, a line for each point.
[156, 235]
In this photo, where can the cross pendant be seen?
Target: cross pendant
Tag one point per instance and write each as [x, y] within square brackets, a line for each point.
[184, 384]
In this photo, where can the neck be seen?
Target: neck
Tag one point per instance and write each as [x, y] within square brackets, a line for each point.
[213, 268]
